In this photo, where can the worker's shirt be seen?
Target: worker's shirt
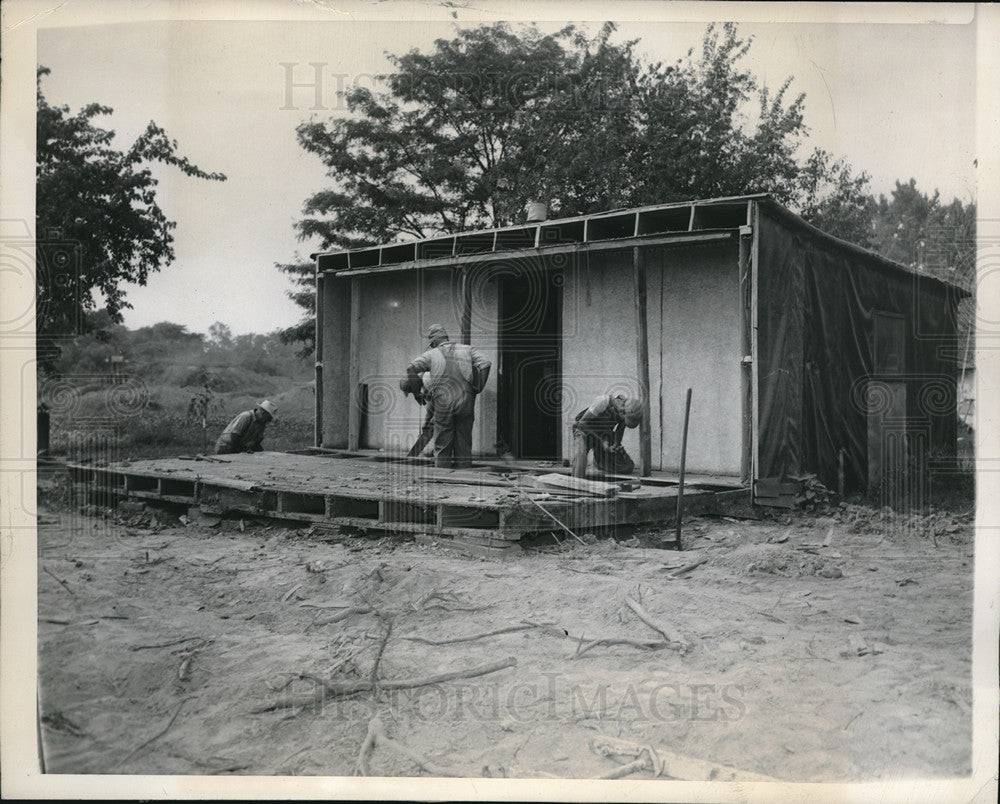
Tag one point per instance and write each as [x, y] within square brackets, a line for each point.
[451, 364]
[601, 418]
[245, 431]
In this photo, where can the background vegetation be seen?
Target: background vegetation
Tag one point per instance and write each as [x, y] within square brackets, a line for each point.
[173, 391]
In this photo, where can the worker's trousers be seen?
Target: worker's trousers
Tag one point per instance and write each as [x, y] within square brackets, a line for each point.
[612, 462]
[224, 445]
[454, 413]
[426, 432]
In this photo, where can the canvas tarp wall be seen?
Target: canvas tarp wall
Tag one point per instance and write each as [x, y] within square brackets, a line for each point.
[821, 308]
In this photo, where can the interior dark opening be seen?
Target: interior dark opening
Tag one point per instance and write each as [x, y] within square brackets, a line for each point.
[529, 407]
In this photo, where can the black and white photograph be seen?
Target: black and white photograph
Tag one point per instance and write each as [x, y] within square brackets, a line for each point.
[445, 401]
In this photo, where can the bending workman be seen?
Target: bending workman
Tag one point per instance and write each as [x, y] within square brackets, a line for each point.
[600, 428]
[246, 431]
[456, 373]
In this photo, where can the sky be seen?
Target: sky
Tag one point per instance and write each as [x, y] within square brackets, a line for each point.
[897, 100]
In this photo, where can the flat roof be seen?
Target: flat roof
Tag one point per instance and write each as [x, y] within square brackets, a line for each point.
[677, 223]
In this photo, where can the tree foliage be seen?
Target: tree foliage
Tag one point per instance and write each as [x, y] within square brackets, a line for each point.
[918, 230]
[98, 204]
[465, 134]
[168, 352]
[302, 275]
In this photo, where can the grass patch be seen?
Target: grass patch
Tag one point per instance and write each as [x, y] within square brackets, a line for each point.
[164, 428]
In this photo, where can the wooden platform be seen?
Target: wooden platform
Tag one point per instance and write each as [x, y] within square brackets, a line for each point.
[483, 510]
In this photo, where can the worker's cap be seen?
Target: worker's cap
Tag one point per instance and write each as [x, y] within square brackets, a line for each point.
[632, 412]
[435, 332]
[268, 407]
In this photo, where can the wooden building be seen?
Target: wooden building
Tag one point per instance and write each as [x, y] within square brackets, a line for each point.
[805, 354]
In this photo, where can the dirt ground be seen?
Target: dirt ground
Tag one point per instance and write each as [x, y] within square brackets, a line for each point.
[826, 647]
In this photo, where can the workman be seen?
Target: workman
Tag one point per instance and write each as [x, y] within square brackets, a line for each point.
[425, 441]
[456, 374]
[600, 428]
[246, 431]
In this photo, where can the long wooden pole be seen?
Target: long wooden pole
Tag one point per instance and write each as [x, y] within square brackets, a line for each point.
[680, 484]
[354, 371]
[642, 359]
[466, 290]
[318, 352]
[746, 352]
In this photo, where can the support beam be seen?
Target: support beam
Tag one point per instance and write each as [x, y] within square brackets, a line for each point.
[318, 352]
[623, 244]
[746, 394]
[642, 358]
[354, 410]
[754, 347]
[466, 288]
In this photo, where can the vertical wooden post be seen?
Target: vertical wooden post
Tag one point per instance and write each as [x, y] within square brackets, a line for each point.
[318, 352]
[354, 409]
[680, 484]
[642, 358]
[746, 359]
[466, 290]
[755, 269]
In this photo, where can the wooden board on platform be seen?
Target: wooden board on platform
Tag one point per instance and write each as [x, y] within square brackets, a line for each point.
[577, 484]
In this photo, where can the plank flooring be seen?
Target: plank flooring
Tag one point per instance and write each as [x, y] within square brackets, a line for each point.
[488, 508]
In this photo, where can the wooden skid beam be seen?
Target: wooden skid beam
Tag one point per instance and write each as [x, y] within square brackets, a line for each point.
[468, 546]
[217, 499]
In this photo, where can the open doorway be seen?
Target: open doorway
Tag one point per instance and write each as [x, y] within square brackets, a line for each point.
[529, 401]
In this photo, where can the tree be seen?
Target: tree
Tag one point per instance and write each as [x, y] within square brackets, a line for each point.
[466, 133]
[916, 229]
[98, 223]
[220, 335]
[835, 200]
[304, 295]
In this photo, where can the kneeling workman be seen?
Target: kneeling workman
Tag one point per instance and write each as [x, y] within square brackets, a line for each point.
[600, 428]
[246, 431]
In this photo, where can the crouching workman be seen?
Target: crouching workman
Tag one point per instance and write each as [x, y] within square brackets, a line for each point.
[246, 431]
[457, 372]
[600, 428]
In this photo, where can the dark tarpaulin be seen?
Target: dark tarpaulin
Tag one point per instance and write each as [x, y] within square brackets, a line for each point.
[818, 305]
[780, 308]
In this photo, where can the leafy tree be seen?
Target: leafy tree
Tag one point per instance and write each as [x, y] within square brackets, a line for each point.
[304, 295]
[102, 203]
[835, 200]
[220, 335]
[466, 133]
[916, 229]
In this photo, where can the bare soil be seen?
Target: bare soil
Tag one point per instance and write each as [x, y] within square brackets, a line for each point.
[821, 648]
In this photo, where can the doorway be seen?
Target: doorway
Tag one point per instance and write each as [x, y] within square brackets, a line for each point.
[529, 392]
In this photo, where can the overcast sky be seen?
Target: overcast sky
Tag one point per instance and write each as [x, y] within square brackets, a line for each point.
[897, 100]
